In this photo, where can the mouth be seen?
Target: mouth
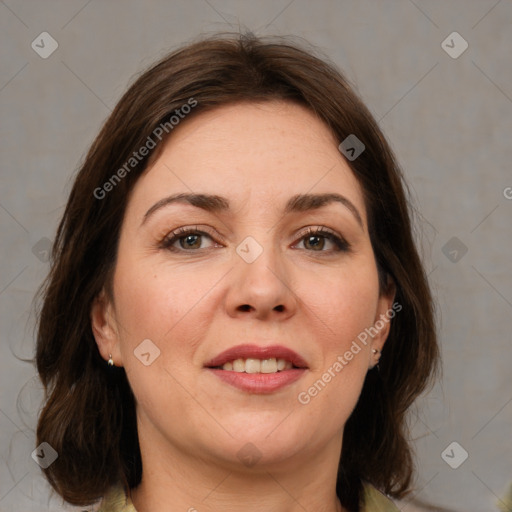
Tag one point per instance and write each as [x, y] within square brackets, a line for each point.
[258, 369]
[255, 359]
[253, 365]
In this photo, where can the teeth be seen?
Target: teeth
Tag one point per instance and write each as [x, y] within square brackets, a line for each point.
[269, 365]
[252, 365]
[238, 365]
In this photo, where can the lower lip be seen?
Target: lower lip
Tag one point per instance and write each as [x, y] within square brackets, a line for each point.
[259, 382]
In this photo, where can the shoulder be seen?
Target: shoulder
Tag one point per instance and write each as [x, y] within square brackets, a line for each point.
[375, 501]
[115, 500]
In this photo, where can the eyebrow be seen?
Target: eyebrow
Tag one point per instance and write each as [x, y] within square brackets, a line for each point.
[297, 203]
[210, 203]
[307, 202]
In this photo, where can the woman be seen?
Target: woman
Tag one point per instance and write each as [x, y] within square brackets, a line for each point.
[236, 311]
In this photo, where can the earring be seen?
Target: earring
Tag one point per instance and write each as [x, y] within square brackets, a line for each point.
[377, 353]
[110, 360]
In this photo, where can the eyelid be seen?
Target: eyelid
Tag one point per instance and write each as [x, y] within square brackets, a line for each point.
[176, 234]
[339, 240]
[171, 237]
[317, 229]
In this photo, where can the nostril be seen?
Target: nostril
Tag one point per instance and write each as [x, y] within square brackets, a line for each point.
[248, 307]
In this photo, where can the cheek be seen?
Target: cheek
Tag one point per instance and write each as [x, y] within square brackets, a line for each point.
[342, 307]
[165, 305]
[149, 302]
[161, 305]
[342, 304]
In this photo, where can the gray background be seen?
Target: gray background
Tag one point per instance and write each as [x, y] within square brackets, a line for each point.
[448, 119]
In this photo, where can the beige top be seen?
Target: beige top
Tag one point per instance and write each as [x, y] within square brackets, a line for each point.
[374, 501]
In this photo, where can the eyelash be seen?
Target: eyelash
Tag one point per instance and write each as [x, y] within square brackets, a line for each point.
[341, 244]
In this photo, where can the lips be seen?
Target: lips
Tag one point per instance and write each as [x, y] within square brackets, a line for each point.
[256, 352]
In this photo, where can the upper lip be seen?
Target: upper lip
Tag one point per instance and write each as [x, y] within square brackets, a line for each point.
[257, 352]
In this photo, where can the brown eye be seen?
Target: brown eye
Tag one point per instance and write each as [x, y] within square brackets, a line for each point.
[185, 239]
[190, 242]
[323, 241]
[314, 242]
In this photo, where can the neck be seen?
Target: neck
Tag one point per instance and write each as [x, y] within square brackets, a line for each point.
[174, 480]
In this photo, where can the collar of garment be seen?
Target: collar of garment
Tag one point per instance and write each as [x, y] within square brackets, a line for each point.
[116, 500]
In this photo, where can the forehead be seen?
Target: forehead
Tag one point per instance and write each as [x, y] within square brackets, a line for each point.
[263, 153]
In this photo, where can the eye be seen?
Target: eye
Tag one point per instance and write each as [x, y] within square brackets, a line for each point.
[323, 240]
[193, 240]
[186, 239]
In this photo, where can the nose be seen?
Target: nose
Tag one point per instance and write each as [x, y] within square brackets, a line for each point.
[261, 289]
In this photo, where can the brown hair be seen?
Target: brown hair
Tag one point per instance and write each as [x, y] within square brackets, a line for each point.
[89, 413]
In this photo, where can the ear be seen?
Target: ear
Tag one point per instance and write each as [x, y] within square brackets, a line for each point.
[387, 309]
[104, 328]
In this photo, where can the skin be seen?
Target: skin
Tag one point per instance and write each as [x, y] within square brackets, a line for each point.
[196, 303]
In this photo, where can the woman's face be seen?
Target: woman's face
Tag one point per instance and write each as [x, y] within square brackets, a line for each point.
[262, 254]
